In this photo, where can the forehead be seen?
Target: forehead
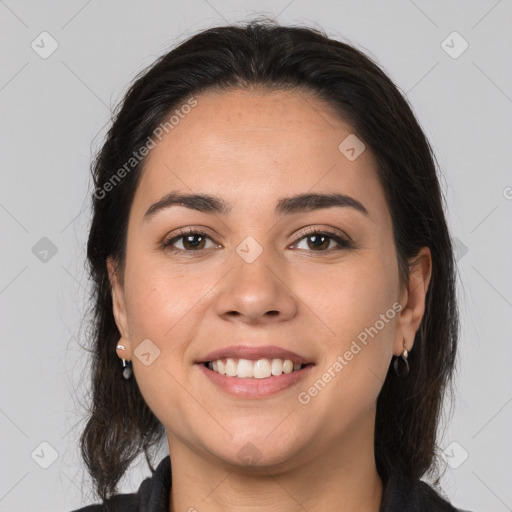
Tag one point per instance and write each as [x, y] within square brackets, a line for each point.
[238, 143]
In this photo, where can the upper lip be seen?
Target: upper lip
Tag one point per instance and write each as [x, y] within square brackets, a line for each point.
[253, 353]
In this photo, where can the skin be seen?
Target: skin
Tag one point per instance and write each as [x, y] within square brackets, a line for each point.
[253, 148]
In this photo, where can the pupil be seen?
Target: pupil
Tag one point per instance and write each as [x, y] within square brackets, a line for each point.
[191, 237]
[318, 238]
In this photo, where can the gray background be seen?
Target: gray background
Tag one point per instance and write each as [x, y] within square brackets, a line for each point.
[53, 116]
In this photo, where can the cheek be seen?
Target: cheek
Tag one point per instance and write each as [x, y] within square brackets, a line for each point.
[167, 306]
[148, 301]
[352, 296]
[156, 295]
[156, 308]
[355, 309]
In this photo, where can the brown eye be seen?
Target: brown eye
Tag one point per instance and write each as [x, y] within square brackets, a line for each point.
[190, 241]
[196, 241]
[319, 241]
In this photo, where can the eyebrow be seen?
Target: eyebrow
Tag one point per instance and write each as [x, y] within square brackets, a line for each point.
[295, 204]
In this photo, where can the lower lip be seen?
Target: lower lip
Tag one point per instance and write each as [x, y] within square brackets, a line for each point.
[255, 388]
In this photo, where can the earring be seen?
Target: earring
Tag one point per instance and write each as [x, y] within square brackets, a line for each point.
[127, 372]
[403, 358]
[127, 365]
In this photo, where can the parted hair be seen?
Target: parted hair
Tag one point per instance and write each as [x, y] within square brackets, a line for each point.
[266, 55]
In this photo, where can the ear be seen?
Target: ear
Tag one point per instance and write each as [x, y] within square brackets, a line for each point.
[413, 299]
[119, 308]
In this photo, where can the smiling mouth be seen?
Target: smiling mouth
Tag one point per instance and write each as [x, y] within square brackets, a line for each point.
[257, 369]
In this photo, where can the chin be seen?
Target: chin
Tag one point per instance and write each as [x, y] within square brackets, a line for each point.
[257, 452]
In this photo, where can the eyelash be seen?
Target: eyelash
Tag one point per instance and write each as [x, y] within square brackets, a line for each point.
[342, 241]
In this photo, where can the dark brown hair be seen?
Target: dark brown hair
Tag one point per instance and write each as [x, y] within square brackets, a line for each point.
[264, 54]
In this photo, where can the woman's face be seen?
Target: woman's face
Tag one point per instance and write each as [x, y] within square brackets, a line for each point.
[254, 277]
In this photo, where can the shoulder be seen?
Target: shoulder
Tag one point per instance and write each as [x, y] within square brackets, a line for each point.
[117, 503]
[432, 499]
[402, 494]
[152, 495]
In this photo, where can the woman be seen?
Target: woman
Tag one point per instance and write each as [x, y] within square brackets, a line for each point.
[274, 283]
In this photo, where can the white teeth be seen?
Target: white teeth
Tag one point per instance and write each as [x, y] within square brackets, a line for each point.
[287, 366]
[231, 367]
[277, 367]
[245, 368]
[260, 369]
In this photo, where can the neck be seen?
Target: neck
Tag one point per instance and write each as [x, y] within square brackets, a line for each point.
[338, 479]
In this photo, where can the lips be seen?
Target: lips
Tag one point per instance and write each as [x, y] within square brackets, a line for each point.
[254, 353]
[251, 388]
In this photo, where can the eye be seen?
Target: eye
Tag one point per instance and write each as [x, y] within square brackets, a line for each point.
[321, 240]
[190, 239]
[195, 241]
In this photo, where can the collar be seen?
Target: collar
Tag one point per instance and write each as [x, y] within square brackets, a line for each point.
[399, 494]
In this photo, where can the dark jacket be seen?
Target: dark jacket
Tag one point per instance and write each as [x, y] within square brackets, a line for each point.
[153, 496]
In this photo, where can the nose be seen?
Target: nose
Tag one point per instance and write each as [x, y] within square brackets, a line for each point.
[259, 292]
